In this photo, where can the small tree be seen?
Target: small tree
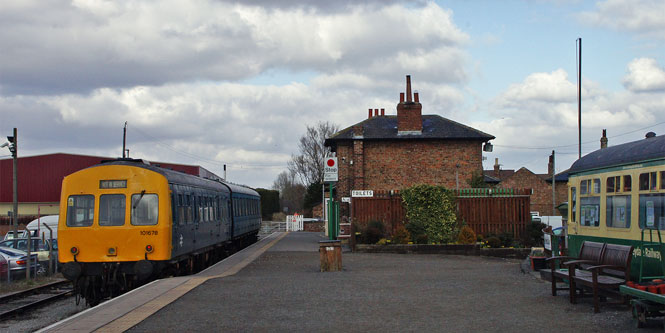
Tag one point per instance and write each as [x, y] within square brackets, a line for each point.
[477, 180]
[430, 211]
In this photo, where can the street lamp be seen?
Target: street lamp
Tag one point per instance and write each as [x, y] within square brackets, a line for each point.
[12, 144]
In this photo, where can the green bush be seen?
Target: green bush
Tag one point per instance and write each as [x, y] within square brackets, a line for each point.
[493, 241]
[401, 236]
[373, 232]
[431, 214]
[466, 235]
[533, 235]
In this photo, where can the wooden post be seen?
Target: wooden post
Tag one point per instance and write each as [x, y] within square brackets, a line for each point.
[330, 253]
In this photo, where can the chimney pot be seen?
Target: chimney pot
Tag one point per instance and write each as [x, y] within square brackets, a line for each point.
[415, 97]
[408, 88]
[401, 97]
[383, 111]
[369, 114]
[376, 112]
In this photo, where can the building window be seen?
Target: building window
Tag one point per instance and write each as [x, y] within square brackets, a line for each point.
[613, 184]
[112, 209]
[647, 181]
[590, 211]
[627, 183]
[80, 210]
[573, 206]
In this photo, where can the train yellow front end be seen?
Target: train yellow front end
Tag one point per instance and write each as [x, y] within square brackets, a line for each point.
[115, 221]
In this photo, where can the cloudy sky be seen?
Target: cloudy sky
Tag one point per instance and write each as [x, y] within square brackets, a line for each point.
[222, 82]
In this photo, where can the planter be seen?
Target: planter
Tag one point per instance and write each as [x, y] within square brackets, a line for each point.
[538, 263]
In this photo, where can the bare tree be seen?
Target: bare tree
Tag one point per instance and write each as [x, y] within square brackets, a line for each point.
[308, 165]
[291, 193]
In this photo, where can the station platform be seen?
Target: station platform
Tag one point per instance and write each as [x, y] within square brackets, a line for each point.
[276, 285]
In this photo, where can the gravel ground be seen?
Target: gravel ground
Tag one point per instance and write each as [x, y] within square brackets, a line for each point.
[284, 291]
[46, 316]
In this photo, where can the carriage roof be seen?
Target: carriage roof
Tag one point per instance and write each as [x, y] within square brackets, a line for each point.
[645, 150]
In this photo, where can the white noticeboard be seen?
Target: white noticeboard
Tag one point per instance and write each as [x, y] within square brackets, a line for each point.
[330, 170]
[362, 193]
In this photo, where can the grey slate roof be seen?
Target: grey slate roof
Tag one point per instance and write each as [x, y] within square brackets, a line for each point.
[627, 153]
[435, 127]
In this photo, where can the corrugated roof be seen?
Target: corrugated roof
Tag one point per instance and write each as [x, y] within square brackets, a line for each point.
[627, 153]
[435, 127]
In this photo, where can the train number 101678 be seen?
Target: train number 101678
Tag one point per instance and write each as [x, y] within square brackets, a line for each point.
[148, 232]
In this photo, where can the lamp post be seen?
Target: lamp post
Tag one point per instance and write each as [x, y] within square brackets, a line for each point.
[12, 144]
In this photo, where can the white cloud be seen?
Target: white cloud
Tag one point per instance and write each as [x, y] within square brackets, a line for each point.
[645, 17]
[644, 75]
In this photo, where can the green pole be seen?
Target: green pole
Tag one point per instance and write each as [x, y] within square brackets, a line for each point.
[330, 214]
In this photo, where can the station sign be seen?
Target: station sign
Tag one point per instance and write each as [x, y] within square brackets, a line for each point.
[346, 199]
[362, 193]
[330, 170]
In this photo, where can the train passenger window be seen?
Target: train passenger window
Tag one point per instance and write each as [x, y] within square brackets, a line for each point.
[190, 201]
[112, 209]
[573, 196]
[618, 211]
[145, 209]
[652, 211]
[596, 186]
[584, 186]
[590, 211]
[627, 183]
[647, 181]
[80, 210]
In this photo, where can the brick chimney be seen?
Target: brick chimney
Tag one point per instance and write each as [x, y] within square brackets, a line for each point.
[497, 168]
[409, 113]
[603, 140]
[550, 166]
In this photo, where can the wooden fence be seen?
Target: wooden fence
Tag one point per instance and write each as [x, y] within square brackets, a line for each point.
[486, 211]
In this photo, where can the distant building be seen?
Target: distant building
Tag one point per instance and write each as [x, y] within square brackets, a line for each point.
[40, 180]
[394, 152]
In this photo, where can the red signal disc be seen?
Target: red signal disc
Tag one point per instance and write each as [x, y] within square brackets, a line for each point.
[331, 163]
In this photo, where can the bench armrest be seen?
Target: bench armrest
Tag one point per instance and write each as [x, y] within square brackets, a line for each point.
[580, 261]
[599, 267]
[559, 258]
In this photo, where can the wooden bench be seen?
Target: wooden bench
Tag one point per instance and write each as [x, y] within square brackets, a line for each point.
[590, 255]
[612, 271]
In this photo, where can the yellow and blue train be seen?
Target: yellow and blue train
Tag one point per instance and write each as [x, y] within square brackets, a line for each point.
[617, 195]
[125, 222]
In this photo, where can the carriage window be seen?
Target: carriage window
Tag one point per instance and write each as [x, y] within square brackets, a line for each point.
[111, 209]
[618, 211]
[647, 181]
[652, 211]
[80, 210]
[145, 209]
[613, 184]
[181, 210]
[584, 186]
[573, 199]
[627, 183]
[590, 211]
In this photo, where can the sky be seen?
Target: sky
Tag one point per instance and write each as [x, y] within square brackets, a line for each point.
[218, 82]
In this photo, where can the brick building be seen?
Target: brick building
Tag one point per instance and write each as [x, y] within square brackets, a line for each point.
[388, 152]
[540, 185]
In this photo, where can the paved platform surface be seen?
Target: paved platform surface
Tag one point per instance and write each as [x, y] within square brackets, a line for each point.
[280, 289]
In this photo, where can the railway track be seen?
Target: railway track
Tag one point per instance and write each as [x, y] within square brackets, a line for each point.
[22, 302]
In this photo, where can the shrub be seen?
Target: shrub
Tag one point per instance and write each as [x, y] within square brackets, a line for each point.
[279, 217]
[431, 213]
[493, 241]
[373, 233]
[466, 235]
[533, 235]
[401, 236]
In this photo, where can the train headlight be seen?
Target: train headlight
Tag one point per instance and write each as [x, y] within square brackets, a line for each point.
[149, 248]
[74, 250]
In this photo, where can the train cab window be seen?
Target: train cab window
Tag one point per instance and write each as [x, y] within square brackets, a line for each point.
[112, 209]
[627, 183]
[652, 211]
[647, 181]
[618, 211]
[80, 210]
[145, 209]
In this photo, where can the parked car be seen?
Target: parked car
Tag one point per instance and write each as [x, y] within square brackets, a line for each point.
[21, 234]
[3, 267]
[37, 246]
[17, 260]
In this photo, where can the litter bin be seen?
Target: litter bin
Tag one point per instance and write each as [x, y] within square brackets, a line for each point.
[330, 252]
